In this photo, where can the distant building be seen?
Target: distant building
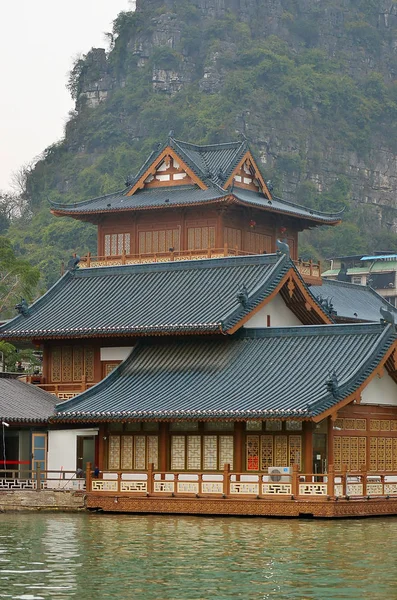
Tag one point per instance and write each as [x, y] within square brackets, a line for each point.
[379, 271]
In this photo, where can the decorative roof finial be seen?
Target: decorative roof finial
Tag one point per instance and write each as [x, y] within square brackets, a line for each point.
[22, 307]
[73, 263]
[332, 383]
[282, 248]
[242, 296]
[387, 316]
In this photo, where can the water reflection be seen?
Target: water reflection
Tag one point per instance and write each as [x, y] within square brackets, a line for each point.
[94, 556]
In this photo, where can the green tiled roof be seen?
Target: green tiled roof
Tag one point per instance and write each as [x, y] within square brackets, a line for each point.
[23, 402]
[258, 373]
[197, 295]
[351, 301]
[213, 164]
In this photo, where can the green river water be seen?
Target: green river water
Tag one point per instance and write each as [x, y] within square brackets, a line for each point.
[84, 556]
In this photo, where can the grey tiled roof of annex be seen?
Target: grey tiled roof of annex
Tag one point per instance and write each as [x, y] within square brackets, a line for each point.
[213, 164]
[185, 296]
[352, 301]
[24, 402]
[256, 373]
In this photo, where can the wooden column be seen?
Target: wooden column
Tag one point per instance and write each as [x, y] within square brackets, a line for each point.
[101, 448]
[307, 446]
[163, 447]
[238, 446]
[330, 440]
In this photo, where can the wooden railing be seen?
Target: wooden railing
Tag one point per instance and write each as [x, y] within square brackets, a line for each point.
[63, 391]
[37, 480]
[308, 269]
[227, 484]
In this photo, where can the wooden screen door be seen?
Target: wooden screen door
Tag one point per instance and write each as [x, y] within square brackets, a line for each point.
[39, 451]
[85, 451]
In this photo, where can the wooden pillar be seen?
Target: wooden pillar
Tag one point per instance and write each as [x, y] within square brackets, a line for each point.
[101, 447]
[238, 446]
[219, 230]
[330, 440]
[88, 477]
[163, 447]
[307, 446]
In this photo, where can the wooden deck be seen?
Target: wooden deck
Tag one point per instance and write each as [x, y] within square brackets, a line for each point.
[331, 495]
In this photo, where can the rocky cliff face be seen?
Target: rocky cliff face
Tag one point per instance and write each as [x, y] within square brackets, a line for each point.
[360, 34]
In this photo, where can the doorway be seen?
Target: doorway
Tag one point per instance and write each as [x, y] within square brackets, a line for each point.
[85, 452]
[319, 453]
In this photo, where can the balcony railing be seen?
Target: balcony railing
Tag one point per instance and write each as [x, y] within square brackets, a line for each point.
[63, 391]
[309, 270]
[37, 480]
[232, 485]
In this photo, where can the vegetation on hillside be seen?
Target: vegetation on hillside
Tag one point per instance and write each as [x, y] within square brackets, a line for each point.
[269, 84]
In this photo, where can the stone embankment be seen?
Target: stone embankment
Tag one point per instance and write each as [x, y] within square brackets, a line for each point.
[46, 500]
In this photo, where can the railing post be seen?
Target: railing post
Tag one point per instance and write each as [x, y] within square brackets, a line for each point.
[225, 250]
[172, 255]
[88, 259]
[88, 477]
[123, 258]
[295, 480]
[364, 478]
[331, 481]
[311, 266]
[226, 479]
[38, 478]
[150, 478]
[344, 479]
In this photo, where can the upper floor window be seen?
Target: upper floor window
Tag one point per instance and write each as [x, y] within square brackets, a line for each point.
[117, 244]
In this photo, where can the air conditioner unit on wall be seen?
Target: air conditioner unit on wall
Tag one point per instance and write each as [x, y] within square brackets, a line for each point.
[280, 474]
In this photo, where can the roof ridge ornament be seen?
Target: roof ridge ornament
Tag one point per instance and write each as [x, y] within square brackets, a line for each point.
[332, 383]
[242, 296]
[387, 317]
[22, 307]
[283, 248]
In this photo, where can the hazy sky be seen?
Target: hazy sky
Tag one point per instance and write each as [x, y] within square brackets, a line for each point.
[38, 42]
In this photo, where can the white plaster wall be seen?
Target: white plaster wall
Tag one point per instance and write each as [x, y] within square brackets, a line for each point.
[62, 448]
[116, 353]
[280, 315]
[380, 391]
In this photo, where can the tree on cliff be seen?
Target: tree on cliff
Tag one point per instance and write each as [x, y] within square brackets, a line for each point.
[18, 279]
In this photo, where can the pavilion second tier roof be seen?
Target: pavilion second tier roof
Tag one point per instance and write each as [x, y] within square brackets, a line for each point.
[212, 167]
[171, 297]
[257, 373]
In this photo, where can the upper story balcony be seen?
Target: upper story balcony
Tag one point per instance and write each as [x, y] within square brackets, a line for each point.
[309, 270]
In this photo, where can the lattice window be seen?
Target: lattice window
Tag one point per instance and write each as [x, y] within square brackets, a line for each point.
[219, 426]
[350, 451]
[178, 452]
[266, 452]
[281, 450]
[126, 452]
[373, 454]
[194, 452]
[293, 425]
[67, 363]
[258, 243]
[117, 244]
[114, 452]
[89, 363]
[210, 458]
[153, 450]
[232, 237]
[154, 242]
[252, 452]
[129, 452]
[226, 451]
[253, 425]
[200, 238]
[140, 452]
[295, 450]
[78, 364]
[184, 426]
[56, 365]
[275, 425]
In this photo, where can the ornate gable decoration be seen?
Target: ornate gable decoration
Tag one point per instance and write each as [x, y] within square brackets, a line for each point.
[247, 176]
[168, 169]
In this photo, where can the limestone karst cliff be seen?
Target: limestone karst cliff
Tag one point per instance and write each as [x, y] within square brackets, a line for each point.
[312, 85]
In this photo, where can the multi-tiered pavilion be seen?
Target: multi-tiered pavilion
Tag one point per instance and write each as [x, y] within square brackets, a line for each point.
[198, 369]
